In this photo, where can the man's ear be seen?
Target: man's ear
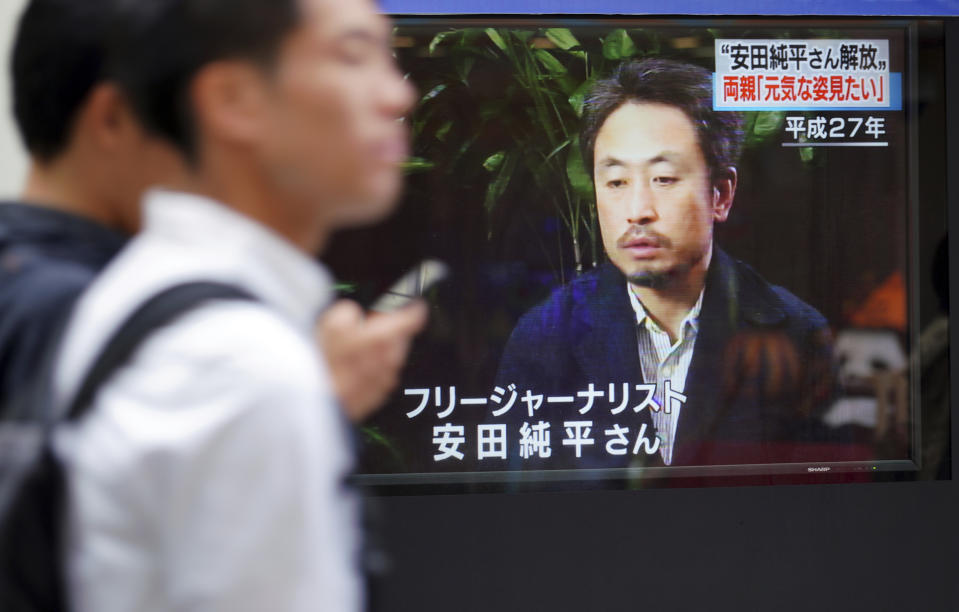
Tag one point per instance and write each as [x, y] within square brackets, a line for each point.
[107, 120]
[229, 101]
[724, 191]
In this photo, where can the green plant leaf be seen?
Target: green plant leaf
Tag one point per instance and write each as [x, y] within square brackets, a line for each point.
[579, 178]
[562, 38]
[443, 131]
[421, 119]
[806, 154]
[463, 69]
[578, 99]
[618, 45]
[748, 125]
[523, 35]
[553, 153]
[498, 185]
[567, 85]
[432, 93]
[497, 38]
[549, 61]
[470, 37]
[375, 437]
[494, 161]
[646, 40]
[496, 109]
[414, 165]
[466, 146]
[759, 126]
[767, 123]
[439, 38]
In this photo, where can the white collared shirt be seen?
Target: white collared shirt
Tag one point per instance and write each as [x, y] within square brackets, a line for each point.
[662, 361]
[209, 473]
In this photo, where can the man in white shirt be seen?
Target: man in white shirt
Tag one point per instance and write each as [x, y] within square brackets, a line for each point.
[209, 472]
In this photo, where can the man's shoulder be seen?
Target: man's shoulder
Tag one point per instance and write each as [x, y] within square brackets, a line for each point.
[39, 285]
[588, 291]
[35, 249]
[798, 310]
[50, 235]
[223, 363]
[247, 327]
[47, 258]
[221, 345]
[243, 338]
[766, 299]
[36, 295]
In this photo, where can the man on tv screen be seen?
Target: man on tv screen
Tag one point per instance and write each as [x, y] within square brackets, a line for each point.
[673, 352]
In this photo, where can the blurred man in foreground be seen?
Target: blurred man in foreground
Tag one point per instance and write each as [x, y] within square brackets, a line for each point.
[209, 472]
[91, 161]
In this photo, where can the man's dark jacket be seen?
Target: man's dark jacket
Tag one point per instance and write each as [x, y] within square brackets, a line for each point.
[47, 258]
[759, 379]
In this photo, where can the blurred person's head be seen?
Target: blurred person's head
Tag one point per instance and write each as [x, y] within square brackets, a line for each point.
[288, 110]
[89, 154]
[664, 167]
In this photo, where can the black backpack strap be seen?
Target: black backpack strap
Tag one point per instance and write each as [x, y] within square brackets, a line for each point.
[156, 312]
[32, 496]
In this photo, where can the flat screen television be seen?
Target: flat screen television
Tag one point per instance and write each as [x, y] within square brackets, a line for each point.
[680, 252]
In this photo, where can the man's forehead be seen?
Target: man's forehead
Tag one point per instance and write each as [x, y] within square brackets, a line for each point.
[613, 158]
[650, 116]
[641, 131]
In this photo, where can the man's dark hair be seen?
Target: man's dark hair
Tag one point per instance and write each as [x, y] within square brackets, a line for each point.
[158, 46]
[57, 59]
[684, 86]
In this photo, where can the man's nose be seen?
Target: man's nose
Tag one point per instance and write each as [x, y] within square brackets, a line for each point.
[398, 93]
[641, 203]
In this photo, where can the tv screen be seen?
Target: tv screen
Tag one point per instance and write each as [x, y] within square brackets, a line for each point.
[677, 252]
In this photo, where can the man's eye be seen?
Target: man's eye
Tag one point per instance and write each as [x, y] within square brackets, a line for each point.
[353, 57]
[357, 52]
[665, 180]
[615, 183]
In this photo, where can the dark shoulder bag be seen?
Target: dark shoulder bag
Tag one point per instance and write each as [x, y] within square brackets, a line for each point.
[31, 478]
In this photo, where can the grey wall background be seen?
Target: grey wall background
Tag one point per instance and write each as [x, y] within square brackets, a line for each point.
[13, 158]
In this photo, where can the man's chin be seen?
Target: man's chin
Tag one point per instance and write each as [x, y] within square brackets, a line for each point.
[367, 211]
[651, 279]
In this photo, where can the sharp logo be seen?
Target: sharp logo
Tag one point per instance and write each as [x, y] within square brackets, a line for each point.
[818, 469]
